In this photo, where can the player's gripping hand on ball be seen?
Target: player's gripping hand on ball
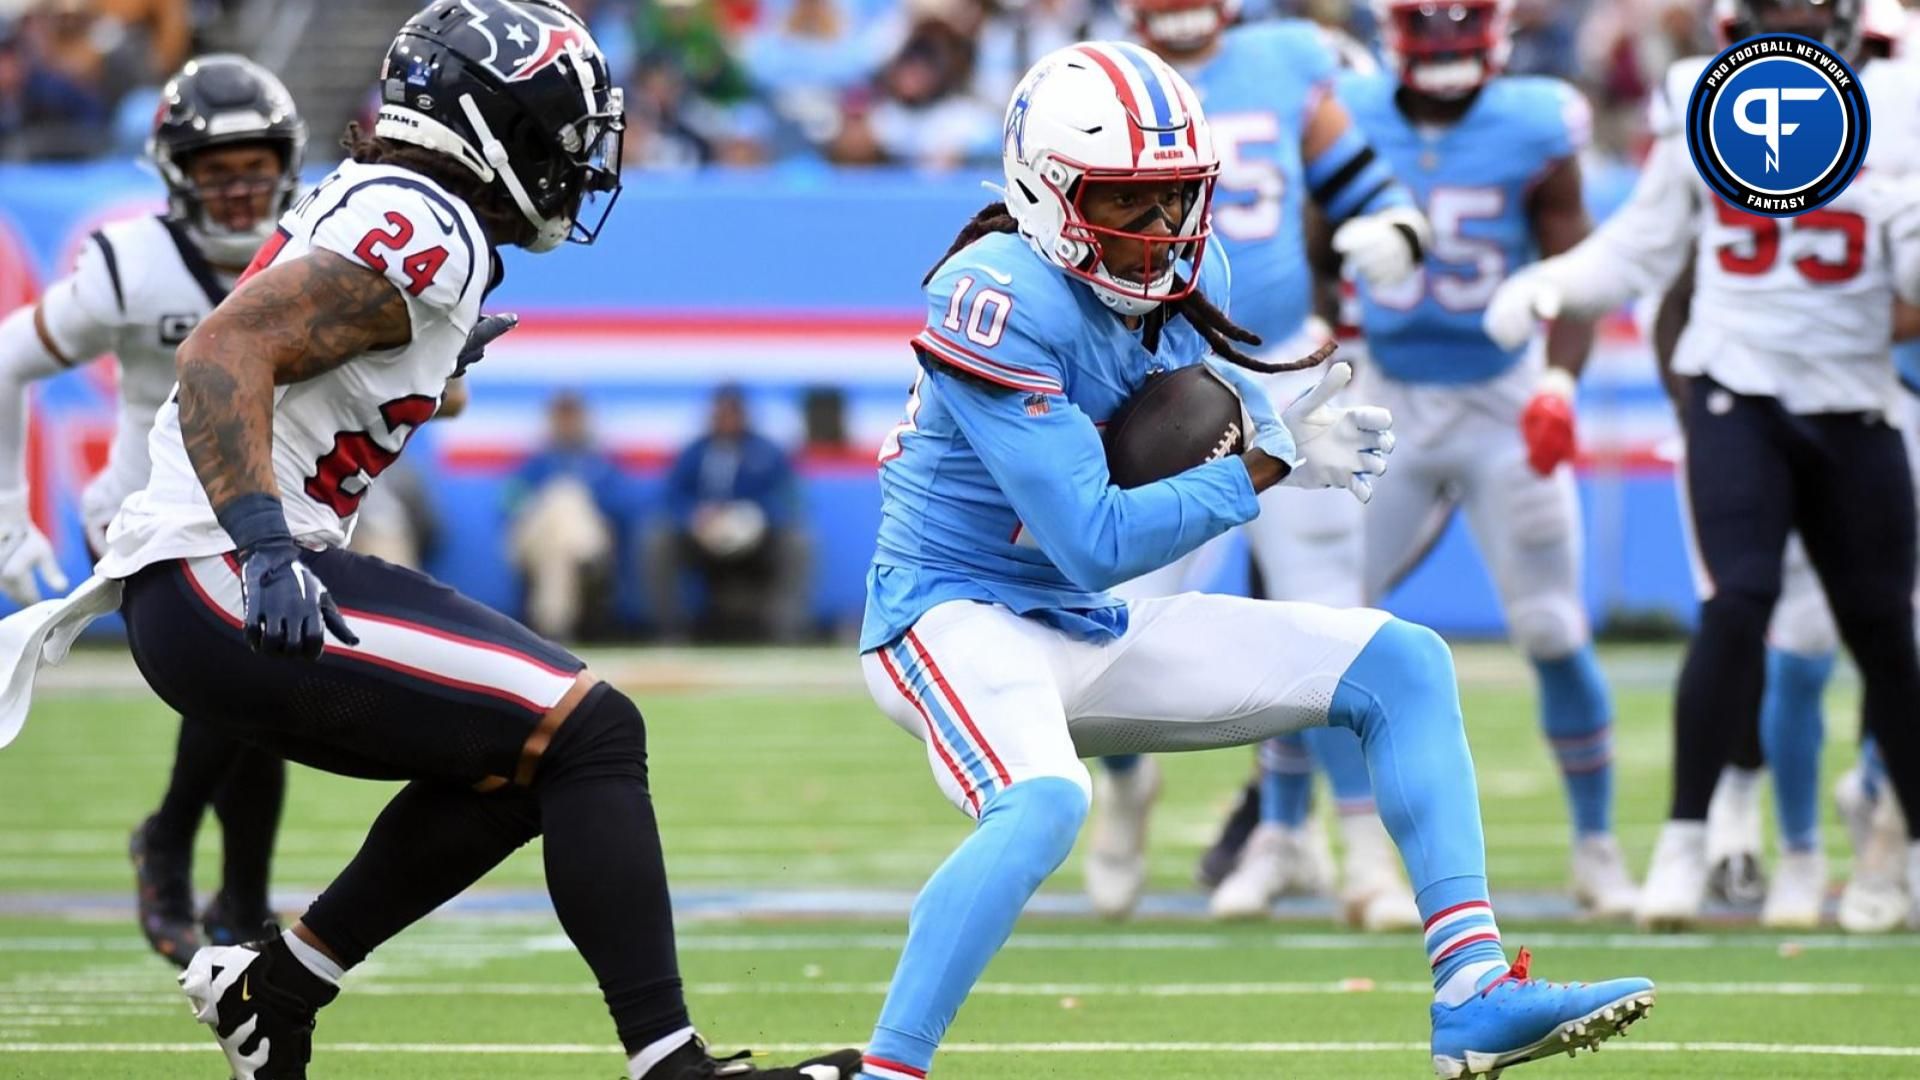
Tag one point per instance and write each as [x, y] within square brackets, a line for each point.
[23, 550]
[1324, 446]
[288, 609]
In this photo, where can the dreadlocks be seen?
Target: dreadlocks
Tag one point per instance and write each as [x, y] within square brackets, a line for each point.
[1219, 332]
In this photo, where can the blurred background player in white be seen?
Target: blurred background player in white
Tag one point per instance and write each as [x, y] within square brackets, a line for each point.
[1494, 159]
[1787, 736]
[1777, 440]
[1282, 137]
[228, 143]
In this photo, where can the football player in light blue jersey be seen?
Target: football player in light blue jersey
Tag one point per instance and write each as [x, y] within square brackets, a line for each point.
[1286, 144]
[1493, 160]
[990, 634]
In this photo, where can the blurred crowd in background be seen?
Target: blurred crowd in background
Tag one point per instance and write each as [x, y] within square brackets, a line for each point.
[919, 83]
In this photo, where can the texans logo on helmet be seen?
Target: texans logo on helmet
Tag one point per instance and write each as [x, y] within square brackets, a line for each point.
[537, 43]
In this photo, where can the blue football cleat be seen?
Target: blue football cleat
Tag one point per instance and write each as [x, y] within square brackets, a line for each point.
[1515, 1019]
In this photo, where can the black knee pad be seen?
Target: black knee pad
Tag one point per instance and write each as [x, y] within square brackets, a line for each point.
[604, 734]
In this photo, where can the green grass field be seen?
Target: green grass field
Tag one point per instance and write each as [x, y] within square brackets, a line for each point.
[778, 781]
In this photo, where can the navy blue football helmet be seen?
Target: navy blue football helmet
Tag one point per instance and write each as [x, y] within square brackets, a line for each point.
[518, 92]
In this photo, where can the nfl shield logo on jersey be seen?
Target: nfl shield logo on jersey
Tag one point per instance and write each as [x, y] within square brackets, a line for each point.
[1037, 405]
[1778, 124]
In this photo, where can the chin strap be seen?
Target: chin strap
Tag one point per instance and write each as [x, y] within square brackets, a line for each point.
[549, 233]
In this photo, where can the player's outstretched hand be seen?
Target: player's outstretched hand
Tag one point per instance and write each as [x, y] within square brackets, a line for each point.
[484, 333]
[1269, 434]
[1383, 248]
[1547, 422]
[24, 550]
[1518, 307]
[1337, 447]
[288, 609]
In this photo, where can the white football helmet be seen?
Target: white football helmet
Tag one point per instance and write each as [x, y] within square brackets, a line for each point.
[1445, 48]
[1108, 112]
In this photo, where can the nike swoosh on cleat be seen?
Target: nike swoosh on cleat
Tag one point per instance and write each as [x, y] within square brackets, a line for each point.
[1004, 279]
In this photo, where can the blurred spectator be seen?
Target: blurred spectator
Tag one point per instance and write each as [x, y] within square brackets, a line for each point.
[396, 520]
[927, 114]
[692, 103]
[1625, 48]
[807, 61]
[47, 111]
[1544, 33]
[565, 505]
[1018, 32]
[144, 41]
[732, 505]
[823, 411]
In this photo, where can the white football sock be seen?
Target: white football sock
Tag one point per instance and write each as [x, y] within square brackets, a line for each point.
[313, 959]
[1464, 983]
[656, 1051]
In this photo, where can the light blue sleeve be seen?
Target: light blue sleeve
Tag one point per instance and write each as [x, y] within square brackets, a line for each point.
[1563, 119]
[1048, 461]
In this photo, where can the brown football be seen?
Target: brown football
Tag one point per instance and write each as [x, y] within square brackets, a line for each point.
[1175, 421]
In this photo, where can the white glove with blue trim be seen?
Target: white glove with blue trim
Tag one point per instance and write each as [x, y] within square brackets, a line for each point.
[1337, 447]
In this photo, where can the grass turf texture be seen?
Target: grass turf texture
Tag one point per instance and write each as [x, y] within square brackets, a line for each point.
[798, 782]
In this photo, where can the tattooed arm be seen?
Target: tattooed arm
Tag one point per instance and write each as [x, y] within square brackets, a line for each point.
[287, 324]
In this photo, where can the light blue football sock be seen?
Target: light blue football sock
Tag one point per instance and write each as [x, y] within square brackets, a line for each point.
[967, 910]
[1578, 720]
[1286, 781]
[1400, 696]
[1338, 754]
[1791, 731]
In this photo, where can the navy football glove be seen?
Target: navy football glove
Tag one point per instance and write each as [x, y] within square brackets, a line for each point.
[287, 610]
[484, 333]
[287, 606]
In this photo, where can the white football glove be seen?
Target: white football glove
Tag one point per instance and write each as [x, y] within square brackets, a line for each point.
[1518, 307]
[1336, 447]
[1384, 248]
[23, 550]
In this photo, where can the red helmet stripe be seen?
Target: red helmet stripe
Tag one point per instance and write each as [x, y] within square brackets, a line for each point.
[1127, 101]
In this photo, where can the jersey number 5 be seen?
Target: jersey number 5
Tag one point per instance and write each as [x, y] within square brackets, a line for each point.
[342, 475]
[419, 267]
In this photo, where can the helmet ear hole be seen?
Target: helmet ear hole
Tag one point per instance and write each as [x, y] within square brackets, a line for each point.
[1027, 192]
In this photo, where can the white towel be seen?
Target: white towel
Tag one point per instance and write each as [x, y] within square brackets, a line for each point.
[40, 635]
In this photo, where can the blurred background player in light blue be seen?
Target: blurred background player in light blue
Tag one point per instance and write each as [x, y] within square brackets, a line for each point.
[1287, 150]
[1494, 161]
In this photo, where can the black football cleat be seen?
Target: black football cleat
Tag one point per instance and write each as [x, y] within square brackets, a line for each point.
[163, 879]
[1224, 855]
[226, 924]
[266, 1032]
[693, 1062]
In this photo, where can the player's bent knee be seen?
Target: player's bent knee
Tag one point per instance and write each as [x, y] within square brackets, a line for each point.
[1549, 628]
[604, 732]
[1048, 809]
[1403, 661]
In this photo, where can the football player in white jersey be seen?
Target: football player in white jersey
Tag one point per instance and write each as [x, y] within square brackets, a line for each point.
[1777, 439]
[497, 125]
[228, 142]
[1801, 645]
